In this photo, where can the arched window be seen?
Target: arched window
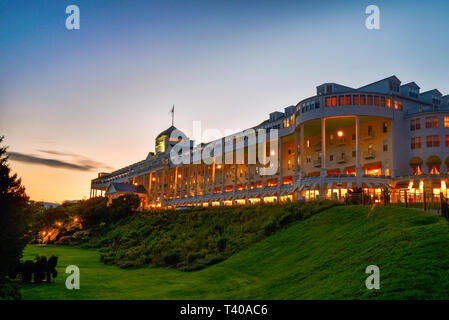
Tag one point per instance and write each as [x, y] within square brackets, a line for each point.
[416, 164]
[434, 164]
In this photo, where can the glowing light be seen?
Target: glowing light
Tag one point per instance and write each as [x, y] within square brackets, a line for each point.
[179, 176]
[340, 133]
[43, 233]
[49, 233]
[219, 166]
[154, 179]
[59, 224]
[272, 152]
[75, 219]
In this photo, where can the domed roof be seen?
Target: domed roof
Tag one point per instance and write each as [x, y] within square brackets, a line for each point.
[167, 132]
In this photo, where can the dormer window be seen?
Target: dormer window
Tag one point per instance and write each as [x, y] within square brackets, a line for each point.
[436, 100]
[413, 92]
[393, 85]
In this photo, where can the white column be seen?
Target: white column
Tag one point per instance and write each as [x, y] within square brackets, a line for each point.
[196, 181]
[155, 186]
[162, 184]
[182, 181]
[175, 189]
[301, 153]
[188, 181]
[358, 169]
[323, 147]
[295, 172]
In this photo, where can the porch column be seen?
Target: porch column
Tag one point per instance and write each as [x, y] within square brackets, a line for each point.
[295, 173]
[162, 184]
[213, 176]
[204, 179]
[223, 165]
[301, 153]
[196, 181]
[188, 181]
[358, 169]
[175, 189]
[155, 186]
[323, 147]
[182, 182]
[280, 163]
[393, 150]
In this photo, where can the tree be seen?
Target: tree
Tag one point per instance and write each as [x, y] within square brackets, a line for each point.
[13, 201]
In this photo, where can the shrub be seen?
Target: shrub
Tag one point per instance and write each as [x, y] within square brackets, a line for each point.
[40, 268]
[172, 258]
[27, 271]
[51, 268]
[221, 244]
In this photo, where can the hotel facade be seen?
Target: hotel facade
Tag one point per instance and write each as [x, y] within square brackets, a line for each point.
[383, 135]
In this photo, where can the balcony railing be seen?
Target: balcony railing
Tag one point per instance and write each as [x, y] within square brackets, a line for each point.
[369, 154]
[317, 163]
[341, 159]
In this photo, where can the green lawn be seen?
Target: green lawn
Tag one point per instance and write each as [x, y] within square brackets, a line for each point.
[323, 257]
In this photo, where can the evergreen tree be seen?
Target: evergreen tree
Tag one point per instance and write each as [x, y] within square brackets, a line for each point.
[13, 201]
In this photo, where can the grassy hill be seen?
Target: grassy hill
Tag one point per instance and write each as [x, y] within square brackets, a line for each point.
[323, 257]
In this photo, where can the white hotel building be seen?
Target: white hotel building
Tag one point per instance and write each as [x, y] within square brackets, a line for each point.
[381, 135]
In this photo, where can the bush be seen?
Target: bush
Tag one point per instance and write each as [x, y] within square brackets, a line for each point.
[221, 244]
[27, 271]
[40, 268]
[172, 258]
[51, 268]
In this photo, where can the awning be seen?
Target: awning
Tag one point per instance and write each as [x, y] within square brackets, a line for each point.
[436, 184]
[433, 160]
[372, 165]
[401, 185]
[415, 161]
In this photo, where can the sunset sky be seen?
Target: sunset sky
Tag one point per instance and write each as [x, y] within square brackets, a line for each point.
[73, 103]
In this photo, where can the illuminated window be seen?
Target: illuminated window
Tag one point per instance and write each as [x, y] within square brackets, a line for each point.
[434, 168]
[348, 100]
[334, 101]
[412, 144]
[446, 121]
[341, 100]
[362, 100]
[389, 102]
[355, 100]
[418, 124]
[412, 125]
[384, 127]
[370, 100]
[428, 122]
[447, 140]
[429, 141]
[382, 101]
[376, 100]
[328, 102]
[435, 122]
[436, 141]
[308, 143]
[396, 105]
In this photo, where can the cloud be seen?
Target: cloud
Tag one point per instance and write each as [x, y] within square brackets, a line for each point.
[82, 165]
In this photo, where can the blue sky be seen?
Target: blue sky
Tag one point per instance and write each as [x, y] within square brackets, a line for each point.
[102, 93]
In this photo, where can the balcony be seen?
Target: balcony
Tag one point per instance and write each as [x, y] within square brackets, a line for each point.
[341, 159]
[317, 163]
[369, 154]
[369, 136]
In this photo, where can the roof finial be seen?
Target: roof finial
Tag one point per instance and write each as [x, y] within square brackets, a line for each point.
[173, 115]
